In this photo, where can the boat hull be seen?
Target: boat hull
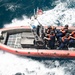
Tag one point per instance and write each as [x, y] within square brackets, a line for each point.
[36, 52]
[39, 52]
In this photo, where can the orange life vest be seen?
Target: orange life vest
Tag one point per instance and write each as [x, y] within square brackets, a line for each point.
[64, 37]
[49, 36]
[73, 34]
[64, 30]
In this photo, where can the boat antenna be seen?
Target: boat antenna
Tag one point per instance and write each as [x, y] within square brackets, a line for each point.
[34, 13]
[37, 10]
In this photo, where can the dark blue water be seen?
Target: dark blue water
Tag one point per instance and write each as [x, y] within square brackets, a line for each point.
[16, 65]
[10, 9]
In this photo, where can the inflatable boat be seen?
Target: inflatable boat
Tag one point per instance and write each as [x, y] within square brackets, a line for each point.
[20, 41]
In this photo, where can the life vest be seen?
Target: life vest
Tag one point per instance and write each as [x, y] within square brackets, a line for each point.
[48, 32]
[65, 38]
[50, 36]
[73, 34]
[64, 30]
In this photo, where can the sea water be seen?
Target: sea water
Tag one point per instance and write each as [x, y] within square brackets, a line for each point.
[57, 13]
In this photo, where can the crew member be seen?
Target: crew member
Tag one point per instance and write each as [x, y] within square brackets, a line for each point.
[61, 32]
[72, 40]
[64, 41]
[48, 30]
[47, 33]
[51, 40]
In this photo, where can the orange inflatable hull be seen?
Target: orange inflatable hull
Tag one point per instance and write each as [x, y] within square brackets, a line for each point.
[37, 52]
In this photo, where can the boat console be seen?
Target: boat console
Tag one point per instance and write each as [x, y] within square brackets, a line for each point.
[27, 39]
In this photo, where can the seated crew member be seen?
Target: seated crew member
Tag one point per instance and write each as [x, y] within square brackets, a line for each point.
[72, 40]
[64, 41]
[51, 40]
[53, 27]
[47, 33]
[61, 32]
[48, 30]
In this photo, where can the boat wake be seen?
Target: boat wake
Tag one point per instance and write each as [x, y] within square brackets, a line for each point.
[60, 15]
[17, 65]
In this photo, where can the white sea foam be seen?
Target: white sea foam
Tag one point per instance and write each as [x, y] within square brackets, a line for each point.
[12, 64]
[60, 15]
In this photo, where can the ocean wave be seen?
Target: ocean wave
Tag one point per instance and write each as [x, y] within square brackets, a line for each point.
[61, 14]
[58, 16]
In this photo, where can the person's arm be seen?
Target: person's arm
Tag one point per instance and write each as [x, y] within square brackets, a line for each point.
[63, 39]
[72, 33]
[47, 38]
[63, 31]
[72, 37]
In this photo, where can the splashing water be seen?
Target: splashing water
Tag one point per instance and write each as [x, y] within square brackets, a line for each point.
[59, 16]
[13, 65]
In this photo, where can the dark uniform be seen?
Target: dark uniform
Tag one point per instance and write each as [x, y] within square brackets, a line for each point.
[64, 41]
[51, 40]
[72, 40]
[61, 33]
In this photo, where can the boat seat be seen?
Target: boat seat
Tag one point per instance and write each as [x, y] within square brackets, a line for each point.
[27, 42]
[27, 34]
